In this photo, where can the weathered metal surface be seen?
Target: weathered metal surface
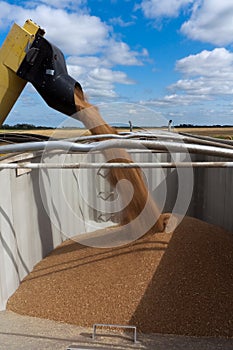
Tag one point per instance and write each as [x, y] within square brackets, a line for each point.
[151, 165]
[158, 145]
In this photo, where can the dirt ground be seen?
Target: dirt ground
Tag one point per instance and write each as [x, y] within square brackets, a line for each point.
[30, 333]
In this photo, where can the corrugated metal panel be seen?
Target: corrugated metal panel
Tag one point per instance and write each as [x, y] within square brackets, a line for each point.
[9, 269]
[71, 196]
[213, 194]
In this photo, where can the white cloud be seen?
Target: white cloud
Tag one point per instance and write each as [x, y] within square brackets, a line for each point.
[211, 21]
[96, 75]
[76, 71]
[107, 75]
[176, 100]
[71, 32]
[103, 93]
[87, 42]
[208, 77]
[211, 73]
[204, 86]
[98, 81]
[9, 13]
[120, 53]
[75, 33]
[64, 3]
[120, 22]
[87, 61]
[163, 8]
[218, 62]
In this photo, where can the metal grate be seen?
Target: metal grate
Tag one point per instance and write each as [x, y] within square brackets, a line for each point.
[115, 326]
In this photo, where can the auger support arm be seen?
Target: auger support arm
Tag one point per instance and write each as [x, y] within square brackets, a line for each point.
[26, 56]
[12, 54]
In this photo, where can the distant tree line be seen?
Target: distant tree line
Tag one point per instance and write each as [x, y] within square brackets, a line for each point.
[24, 126]
[202, 126]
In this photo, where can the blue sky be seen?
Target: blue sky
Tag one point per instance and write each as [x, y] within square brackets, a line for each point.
[148, 61]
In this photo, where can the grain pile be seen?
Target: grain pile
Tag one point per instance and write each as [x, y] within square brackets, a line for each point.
[180, 283]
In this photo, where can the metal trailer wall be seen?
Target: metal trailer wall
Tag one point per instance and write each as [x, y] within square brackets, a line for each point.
[34, 212]
[41, 208]
[213, 194]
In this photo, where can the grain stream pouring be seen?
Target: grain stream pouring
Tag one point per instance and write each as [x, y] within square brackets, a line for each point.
[43, 65]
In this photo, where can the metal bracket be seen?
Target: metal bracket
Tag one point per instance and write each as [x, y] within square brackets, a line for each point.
[107, 195]
[103, 217]
[104, 174]
[115, 326]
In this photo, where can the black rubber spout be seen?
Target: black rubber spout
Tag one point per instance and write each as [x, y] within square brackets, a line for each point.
[44, 66]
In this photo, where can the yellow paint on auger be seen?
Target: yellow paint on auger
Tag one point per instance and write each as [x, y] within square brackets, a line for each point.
[12, 53]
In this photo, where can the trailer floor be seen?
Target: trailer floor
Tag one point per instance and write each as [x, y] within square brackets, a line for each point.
[22, 332]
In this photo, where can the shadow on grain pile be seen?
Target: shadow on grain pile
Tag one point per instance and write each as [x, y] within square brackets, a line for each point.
[180, 283]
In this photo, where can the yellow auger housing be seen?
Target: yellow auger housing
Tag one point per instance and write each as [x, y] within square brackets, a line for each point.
[12, 54]
[26, 56]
